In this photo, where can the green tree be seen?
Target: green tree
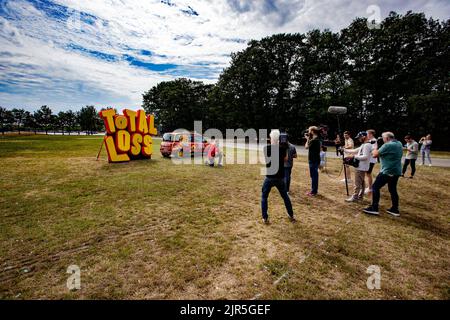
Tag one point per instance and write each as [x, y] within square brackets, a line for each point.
[71, 121]
[31, 122]
[19, 117]
[6, 119]
[177, 104]
[44, 118]
[89, 120]
[388, 78]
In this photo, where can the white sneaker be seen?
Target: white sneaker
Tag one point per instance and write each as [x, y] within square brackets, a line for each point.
[352, 199]
[367, 191]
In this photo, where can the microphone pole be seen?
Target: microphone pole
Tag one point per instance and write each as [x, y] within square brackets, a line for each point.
[338, 111]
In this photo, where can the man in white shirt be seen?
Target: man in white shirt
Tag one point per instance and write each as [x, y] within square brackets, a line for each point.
[363, 155]
[349, 145]
[373, 161]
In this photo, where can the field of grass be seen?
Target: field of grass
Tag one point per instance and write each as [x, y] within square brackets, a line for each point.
[155, 230]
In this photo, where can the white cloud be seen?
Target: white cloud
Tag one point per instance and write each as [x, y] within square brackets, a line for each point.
[47, 58]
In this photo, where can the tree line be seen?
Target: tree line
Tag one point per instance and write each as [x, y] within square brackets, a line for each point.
[395, 77]
[44, 120]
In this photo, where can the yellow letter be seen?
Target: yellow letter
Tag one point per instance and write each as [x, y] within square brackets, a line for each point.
[147, 146]
[112, 153]
[108, 118]
[151, 125]
[121, 122]
[136, 140]
[131, 119]
[142, 126]
[123, 141]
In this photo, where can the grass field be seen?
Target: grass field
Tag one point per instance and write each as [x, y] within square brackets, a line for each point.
[154, 230]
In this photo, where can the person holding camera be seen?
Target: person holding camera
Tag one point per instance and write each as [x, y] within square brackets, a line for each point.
[373, 161]
[288, 165]
[426, 143]
[313, 146]
[275, 155]
[362, 156]
[390, 154]
[412, 153]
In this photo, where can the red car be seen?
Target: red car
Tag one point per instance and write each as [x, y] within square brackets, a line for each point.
[182, 144]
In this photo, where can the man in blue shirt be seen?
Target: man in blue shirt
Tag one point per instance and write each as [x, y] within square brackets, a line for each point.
[390, 154]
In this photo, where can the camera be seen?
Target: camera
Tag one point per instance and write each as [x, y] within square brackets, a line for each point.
[284, 141]
[351, 161]
[379, 142]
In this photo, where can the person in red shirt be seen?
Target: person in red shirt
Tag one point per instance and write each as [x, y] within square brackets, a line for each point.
[213, 151]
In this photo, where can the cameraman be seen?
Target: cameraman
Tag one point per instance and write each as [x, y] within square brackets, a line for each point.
[373, 161]
[390, 154]
[275, 156]
[313, 145]
[363, 155]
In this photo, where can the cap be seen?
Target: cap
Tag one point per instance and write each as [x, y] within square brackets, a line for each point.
[361, 134]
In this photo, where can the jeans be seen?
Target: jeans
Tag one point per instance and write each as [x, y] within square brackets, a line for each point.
[411, 162]
[380, 182]
[314, 174]
[426, 154]
[287, 177]
[268, 184]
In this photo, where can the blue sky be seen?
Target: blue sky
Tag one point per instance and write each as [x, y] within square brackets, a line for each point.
[67, 53]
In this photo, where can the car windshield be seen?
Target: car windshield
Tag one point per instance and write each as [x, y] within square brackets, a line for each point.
[167, 137]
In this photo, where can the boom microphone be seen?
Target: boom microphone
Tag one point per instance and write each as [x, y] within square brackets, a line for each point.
[337, 110]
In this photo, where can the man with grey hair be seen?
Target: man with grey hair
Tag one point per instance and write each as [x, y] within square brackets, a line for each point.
[275, 156]
[390, 154]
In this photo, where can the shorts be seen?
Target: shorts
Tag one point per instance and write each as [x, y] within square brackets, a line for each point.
[371, 168]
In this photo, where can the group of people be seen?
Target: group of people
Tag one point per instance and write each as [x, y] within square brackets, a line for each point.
[364, 158]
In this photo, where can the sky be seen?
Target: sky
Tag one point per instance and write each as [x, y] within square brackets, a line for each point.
[71, 53]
